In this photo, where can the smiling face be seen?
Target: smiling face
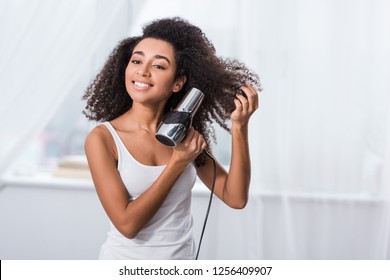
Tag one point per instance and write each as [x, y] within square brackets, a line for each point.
[150, 74]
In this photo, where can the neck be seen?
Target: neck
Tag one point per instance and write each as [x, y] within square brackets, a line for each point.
[144, 117]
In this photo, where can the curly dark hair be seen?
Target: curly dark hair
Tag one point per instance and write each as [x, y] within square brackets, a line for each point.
[219, 79]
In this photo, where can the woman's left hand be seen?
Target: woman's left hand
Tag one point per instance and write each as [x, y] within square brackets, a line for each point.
[246, 105]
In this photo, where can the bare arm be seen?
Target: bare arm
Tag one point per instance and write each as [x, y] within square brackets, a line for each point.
[130, 216]
[232, 187]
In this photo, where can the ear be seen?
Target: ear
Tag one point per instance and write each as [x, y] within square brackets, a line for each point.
[179, 83]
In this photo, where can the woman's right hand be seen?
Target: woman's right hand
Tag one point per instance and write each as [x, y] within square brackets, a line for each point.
[190, 148]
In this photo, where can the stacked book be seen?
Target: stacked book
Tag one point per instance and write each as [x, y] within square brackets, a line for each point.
[73, 167]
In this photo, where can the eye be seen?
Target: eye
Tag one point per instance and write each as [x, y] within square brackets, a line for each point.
[159, 67]
[135, 61]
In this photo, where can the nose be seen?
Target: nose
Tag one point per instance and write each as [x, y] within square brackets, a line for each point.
[143, 71]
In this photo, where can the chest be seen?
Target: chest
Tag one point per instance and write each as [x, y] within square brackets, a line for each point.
[145, 148]
[137, 178]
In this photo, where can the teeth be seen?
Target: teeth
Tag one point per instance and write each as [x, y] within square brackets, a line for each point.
[142, 85]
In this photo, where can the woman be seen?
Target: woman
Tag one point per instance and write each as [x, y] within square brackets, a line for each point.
[143, 185]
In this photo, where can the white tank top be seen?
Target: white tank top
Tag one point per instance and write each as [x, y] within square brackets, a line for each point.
[168, 235]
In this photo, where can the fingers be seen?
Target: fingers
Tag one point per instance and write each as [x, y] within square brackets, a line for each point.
[251, 100]
[246, 103]
[198, 142]
[201, 143]
[193, 143]
[190, 135]
[242, 104]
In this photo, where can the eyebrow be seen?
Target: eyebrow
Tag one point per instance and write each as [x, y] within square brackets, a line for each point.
[157, 56]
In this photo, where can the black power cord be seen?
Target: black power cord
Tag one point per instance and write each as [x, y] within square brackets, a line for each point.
[210, 200]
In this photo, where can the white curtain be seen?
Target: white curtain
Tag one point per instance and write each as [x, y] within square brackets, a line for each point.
[324, 65]
[47, 47]
[322, 132]
[385, 195]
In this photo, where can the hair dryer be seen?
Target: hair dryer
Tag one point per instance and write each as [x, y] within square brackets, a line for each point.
[175, 125]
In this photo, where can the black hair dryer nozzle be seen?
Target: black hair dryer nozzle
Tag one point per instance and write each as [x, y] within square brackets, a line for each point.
[175, 125]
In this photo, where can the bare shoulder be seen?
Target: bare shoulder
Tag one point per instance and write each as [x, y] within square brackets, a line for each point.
[99, 133]
[100, 140]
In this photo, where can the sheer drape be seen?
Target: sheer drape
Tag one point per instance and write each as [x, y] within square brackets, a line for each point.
[385, 195]
[46, 48]
[322, 132]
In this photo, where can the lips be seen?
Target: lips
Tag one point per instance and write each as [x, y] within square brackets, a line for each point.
[142, 85]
